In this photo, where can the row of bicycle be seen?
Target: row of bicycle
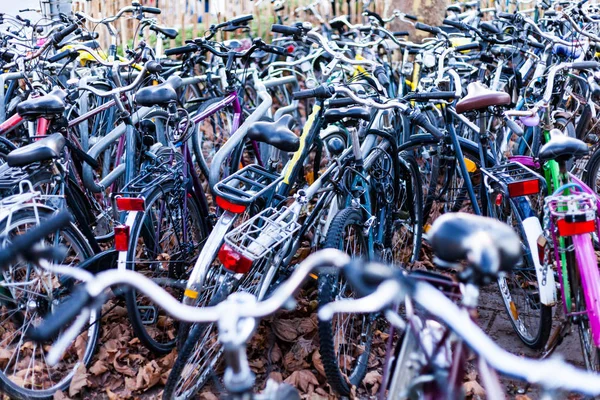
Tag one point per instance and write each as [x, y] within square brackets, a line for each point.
[209, 172]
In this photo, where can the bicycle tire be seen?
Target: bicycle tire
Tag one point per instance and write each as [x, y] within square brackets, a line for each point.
[328, 284]
[163, 196]
[27, 217]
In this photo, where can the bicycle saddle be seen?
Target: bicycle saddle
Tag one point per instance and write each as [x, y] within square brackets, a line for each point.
[338, 114]
[159, 95]
[489, 246]
[562, 147]
[49, 105]
[44, 149]
[277, 134]
[480, 97]
[170, 33]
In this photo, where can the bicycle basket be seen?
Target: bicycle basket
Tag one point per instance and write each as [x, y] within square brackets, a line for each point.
[573, 214]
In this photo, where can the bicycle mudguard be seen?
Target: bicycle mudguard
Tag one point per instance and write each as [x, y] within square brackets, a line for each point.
[546, 283]
[587, 262]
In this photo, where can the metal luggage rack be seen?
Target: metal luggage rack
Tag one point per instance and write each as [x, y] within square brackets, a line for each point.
[572, 214]
[263, 233]
[11, 176]
[515, 179]
[247, 185]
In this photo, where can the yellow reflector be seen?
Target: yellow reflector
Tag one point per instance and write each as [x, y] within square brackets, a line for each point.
[426, 228]
[471, 166]
[192, 294]
[314, 276]
[513, 310]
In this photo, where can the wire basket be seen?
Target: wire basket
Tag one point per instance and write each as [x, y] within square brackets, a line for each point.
[573, 214]
[264, 233]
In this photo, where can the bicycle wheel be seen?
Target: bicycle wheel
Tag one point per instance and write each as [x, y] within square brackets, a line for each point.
[27, 294]
[531, 320]
[405, 229]
[164, 242]
[345, 341]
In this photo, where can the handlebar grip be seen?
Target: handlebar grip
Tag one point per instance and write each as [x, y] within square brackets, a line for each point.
[376, 16]
[61, 55]
[364, 278]
[321, 92]
[382, 77]
[468, 46]
[59, 36]
[455, 24]
[537, 45]
[7, 55]
[550, 13]
[190, 48]
[21, 244]
[241, 19]
[89, 36]
[64, 313]
[276, 50]
[285, 30]
[421, 120]
[341, 102]
[431, 96]
[411, 17]
[400, 33]
[585, 65]
[151, 10]
[508, 16]
[427, 28]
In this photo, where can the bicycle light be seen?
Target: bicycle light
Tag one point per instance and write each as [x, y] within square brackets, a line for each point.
[130, 203]
[229, 206]
[524, 188]
[121, 237]
[233, 261]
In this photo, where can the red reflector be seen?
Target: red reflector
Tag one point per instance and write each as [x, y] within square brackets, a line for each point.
[290, 49]
[229, 206]
[541, 253]
[234, 261]
[523, 188]
[575, 228]
[130, 204]
[121, 237]
[499, 199]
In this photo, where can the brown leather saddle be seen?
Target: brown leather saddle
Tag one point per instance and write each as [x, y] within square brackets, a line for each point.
[480, 97]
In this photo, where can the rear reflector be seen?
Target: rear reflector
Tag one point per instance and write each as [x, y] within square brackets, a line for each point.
[121, 237]
[234, 261]
[575, 228]
[130, 204]
[523, 188]
[229, 206]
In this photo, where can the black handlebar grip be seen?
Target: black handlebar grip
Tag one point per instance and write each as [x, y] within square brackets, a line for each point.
[431, 96]
[508, 16]
[550, 13]
[376, 16]
[285, 30]
[427, 28]
[382, 77]
[400, 33]
[151, 10]
[537, 45]
[190, 48]
[21, 244]
[468, 46]
[154, 67]
[321, 92]
[63, 314]
[411, 17]
[89, 36]
[585, 65]
[61, 55]
[341, 102]
[7, 55]
[241, 19]
[365, 278]
[455, 24]
[59, 36]
[421, 120]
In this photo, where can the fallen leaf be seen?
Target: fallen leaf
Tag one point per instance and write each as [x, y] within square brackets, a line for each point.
[302, 380]
[276, 376]
[79, 380]
[208, 396]
[317, 363]
[473, 388]
[98, 368]
[60, 395]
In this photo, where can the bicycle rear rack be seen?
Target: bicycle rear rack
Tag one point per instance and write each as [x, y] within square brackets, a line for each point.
[247, 185]
[573, 214]
[515, 179]
[264, 233]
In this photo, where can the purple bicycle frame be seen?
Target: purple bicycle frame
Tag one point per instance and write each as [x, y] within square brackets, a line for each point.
[587, 261]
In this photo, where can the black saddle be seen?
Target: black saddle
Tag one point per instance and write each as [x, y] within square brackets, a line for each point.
[338, 114]
[159, 95]
[489, 246]
[277, 134]
[562, 147]
[48, 106]
[44, 149]
[170, 33]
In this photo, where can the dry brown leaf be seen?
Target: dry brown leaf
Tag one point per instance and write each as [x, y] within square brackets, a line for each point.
[98, 368]
[302, 380]
[285, 329]
[79, 380]
[276, 376]
[473, 388]
[522, 397]
[317, 363]
[372, 378]
[60, 395]
[123, 368]
[276, 354]
[148, 376]
[208, 396]
[111, 395]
